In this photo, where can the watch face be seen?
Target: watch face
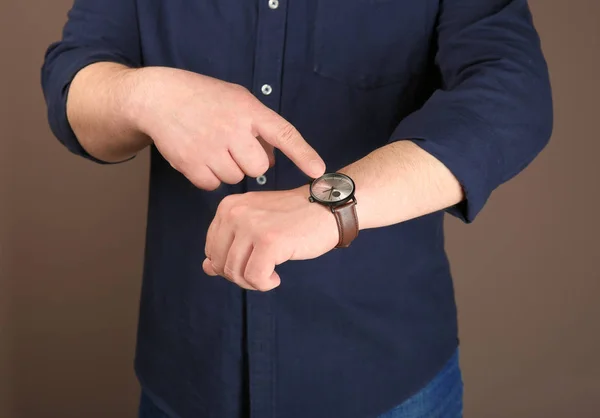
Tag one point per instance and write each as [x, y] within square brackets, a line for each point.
[332, 188]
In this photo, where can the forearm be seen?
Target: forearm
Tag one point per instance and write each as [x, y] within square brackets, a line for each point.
[400, 181]
[100, 111]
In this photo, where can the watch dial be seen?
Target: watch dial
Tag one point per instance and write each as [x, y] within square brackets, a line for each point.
[332, 188]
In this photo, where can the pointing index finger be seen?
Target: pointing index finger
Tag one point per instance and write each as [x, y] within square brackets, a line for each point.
[283, 135]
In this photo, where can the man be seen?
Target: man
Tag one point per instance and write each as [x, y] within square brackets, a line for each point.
[415, 106]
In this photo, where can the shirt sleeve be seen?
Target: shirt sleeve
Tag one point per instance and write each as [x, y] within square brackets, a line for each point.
[493, 113]
[95, 31]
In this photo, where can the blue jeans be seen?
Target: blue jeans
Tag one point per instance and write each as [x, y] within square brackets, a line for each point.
[441, 398]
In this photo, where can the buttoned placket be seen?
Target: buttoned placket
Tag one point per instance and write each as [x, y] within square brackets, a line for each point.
[259, 306]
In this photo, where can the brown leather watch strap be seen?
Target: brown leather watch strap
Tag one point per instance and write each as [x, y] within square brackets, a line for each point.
[347, 222]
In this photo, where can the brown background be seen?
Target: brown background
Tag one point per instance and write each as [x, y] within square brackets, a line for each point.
[71, 245]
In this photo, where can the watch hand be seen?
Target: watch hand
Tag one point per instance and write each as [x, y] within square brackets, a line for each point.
[330, 192]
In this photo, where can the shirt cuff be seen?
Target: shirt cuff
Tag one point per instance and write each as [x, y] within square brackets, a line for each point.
[57, 78]
[460, 145]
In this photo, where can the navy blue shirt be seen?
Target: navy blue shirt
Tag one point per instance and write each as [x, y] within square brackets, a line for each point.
[356, 331]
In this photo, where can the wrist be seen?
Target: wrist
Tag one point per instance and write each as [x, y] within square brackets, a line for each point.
[359, 196]
[134, 101]
[322, 213]
[326, 219]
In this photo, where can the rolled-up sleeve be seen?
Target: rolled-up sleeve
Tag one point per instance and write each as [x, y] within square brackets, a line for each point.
[95, 31]
[493, 113]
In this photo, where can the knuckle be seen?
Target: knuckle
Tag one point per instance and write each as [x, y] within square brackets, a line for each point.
[240, 89]
[217, 267]
[199, 180]
[226, 203]
[234, 198]
[286, 134]
[250, 278]
[262, 165]
[229, 272]
[244, 99]
[211, 185]
[183, 169]
[259, 167]
[203, 183]
[268, 238]
[256, 283]
[237, 177]
[236, 211]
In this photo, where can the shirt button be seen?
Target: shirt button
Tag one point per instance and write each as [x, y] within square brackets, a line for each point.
[261, 180]
[273, 4]
[266, 89]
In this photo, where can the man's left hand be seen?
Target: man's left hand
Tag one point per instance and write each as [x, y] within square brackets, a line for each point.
[254, 232]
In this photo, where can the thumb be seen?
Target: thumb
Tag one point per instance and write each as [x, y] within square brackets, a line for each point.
[281, 134]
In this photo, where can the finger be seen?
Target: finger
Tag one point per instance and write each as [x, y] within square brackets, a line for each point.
[235, 265]
[226, 169]
[260, 270]
[250, 156]
[283, 135]
[202, 177]
[269, 149]
[210, 236]
[222, 239]
[208, 268]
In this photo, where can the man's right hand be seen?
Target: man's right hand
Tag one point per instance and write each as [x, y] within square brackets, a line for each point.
[214, 131]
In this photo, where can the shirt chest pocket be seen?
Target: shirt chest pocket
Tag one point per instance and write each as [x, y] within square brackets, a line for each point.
[371, 43]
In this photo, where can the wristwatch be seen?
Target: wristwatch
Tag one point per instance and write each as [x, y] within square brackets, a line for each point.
[336, 191]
